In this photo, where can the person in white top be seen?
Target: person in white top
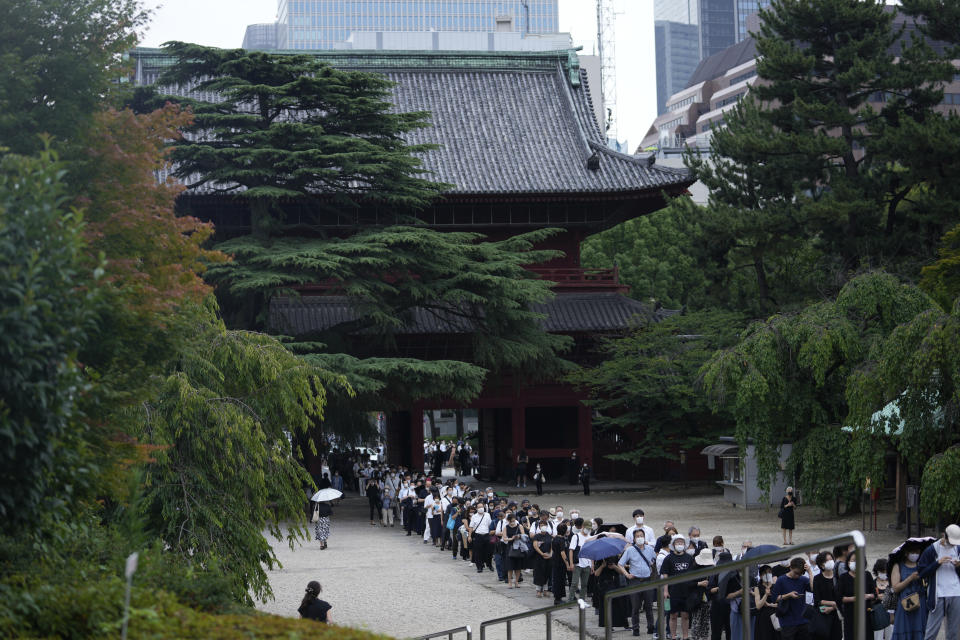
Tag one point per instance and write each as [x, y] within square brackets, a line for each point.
[582, 566]
[647, 530]
[480, 532]
[940, 565]
[428, 509]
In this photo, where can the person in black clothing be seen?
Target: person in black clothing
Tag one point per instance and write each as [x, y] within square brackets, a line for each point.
[679, 561]
[826, 598]
[668, 532]
[585, 478]
[573, 468]
[373, 497]
[562, 563]
[324, 482]
[312, 607]
[847, 591]
[787, 523]
[719, 605]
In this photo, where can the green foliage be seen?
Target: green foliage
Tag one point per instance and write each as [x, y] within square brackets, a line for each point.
[47, 302]
[453, 276]
[942, 278]
[225, 469]
[939, 496]
[785, 381]
[58, 58]
[647, 381]
[290, 128]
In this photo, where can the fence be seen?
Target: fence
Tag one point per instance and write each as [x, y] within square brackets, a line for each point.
[449, 633]
[547, 612]
[745, 566]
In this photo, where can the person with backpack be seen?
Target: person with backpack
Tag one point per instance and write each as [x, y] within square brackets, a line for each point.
[637, 566]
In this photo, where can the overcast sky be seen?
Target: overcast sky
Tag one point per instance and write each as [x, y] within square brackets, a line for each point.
[221, 23]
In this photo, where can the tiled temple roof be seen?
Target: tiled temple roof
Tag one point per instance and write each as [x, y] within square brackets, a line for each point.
[507, 123]
[565, 313]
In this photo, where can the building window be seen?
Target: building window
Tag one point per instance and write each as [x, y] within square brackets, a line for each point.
[683, 103]
[730, 100]
[742, 77]
[732, 470]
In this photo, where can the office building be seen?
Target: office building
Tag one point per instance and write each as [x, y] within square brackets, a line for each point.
[325, 24]
[260, 37]
[688, 31]
[677, 47]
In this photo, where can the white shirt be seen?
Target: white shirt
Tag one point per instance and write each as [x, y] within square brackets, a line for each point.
[480, 523]
[427, 504]
[647, 534]
[576, 541]
[948, 585]
[549, 527]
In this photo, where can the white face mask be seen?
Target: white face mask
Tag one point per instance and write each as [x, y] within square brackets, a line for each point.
[678, 547]
[829, 565]
[479, 509]
[913, 557]
[639, 540]
[639, 519]
[881, 576]
[852, 565]
[574, 515]
[694, 540]
[691, 551]
[768, 577]
[490, 494]
[559, 514]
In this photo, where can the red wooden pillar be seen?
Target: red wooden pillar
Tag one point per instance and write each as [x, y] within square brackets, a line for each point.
[585, 434]
[416, 439]
[518, 423]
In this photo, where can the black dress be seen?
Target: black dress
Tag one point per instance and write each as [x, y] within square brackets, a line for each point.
[315, 610]
[559, 547]
[786, 522]
[827, 589]
[608, 580]
[541, 565]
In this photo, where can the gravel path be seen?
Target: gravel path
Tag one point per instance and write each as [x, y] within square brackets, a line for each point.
[380, 580]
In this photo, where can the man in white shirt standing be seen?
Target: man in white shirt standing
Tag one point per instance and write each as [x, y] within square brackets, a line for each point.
[582, 566]
[940, 565]
[647, 530]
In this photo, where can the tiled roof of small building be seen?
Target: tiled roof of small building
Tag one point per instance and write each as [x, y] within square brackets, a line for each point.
[507, 123]
[565, 313]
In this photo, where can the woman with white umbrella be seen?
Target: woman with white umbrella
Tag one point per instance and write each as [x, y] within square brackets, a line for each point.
[322, 513]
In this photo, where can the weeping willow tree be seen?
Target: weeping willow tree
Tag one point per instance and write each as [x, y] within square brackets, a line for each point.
[223, 468]
[786, 380]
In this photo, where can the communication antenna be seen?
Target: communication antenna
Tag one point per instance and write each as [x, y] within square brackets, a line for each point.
[607, 48]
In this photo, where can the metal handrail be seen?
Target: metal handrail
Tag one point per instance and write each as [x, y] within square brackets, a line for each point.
[449, 633]
[545, 611]
[853, 537]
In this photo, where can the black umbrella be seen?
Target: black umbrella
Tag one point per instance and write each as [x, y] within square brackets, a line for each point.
[615, 528]
[897, 554]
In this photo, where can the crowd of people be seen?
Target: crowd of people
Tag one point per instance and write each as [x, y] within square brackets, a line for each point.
[909, 594]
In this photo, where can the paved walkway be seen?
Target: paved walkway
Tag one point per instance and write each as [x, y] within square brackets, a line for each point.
[383, 581]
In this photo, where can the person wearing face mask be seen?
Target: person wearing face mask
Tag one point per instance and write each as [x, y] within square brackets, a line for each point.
[581, 566]
[719, 605]
[539, 478]
[766, 607]
[647, 530]
[718, 547]
[637, 565]
[694, 544]
[882, 579]
[848, 598]
[939, 565]
[787, 523]
[676, 563]
[585, 472]
[558, 515]
[480, 537]
[905, 580]
[826, 600]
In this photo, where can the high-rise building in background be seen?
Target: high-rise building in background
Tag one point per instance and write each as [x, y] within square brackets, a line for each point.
[688, 31]
[325, 24]
[260, 37]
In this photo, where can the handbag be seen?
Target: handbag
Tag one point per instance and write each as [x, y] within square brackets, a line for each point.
[452, 522]
[911, 602]
[780, 513]
[820, 623]
[889, 599]
[879, 618]
[516, 550]
[316, 514]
